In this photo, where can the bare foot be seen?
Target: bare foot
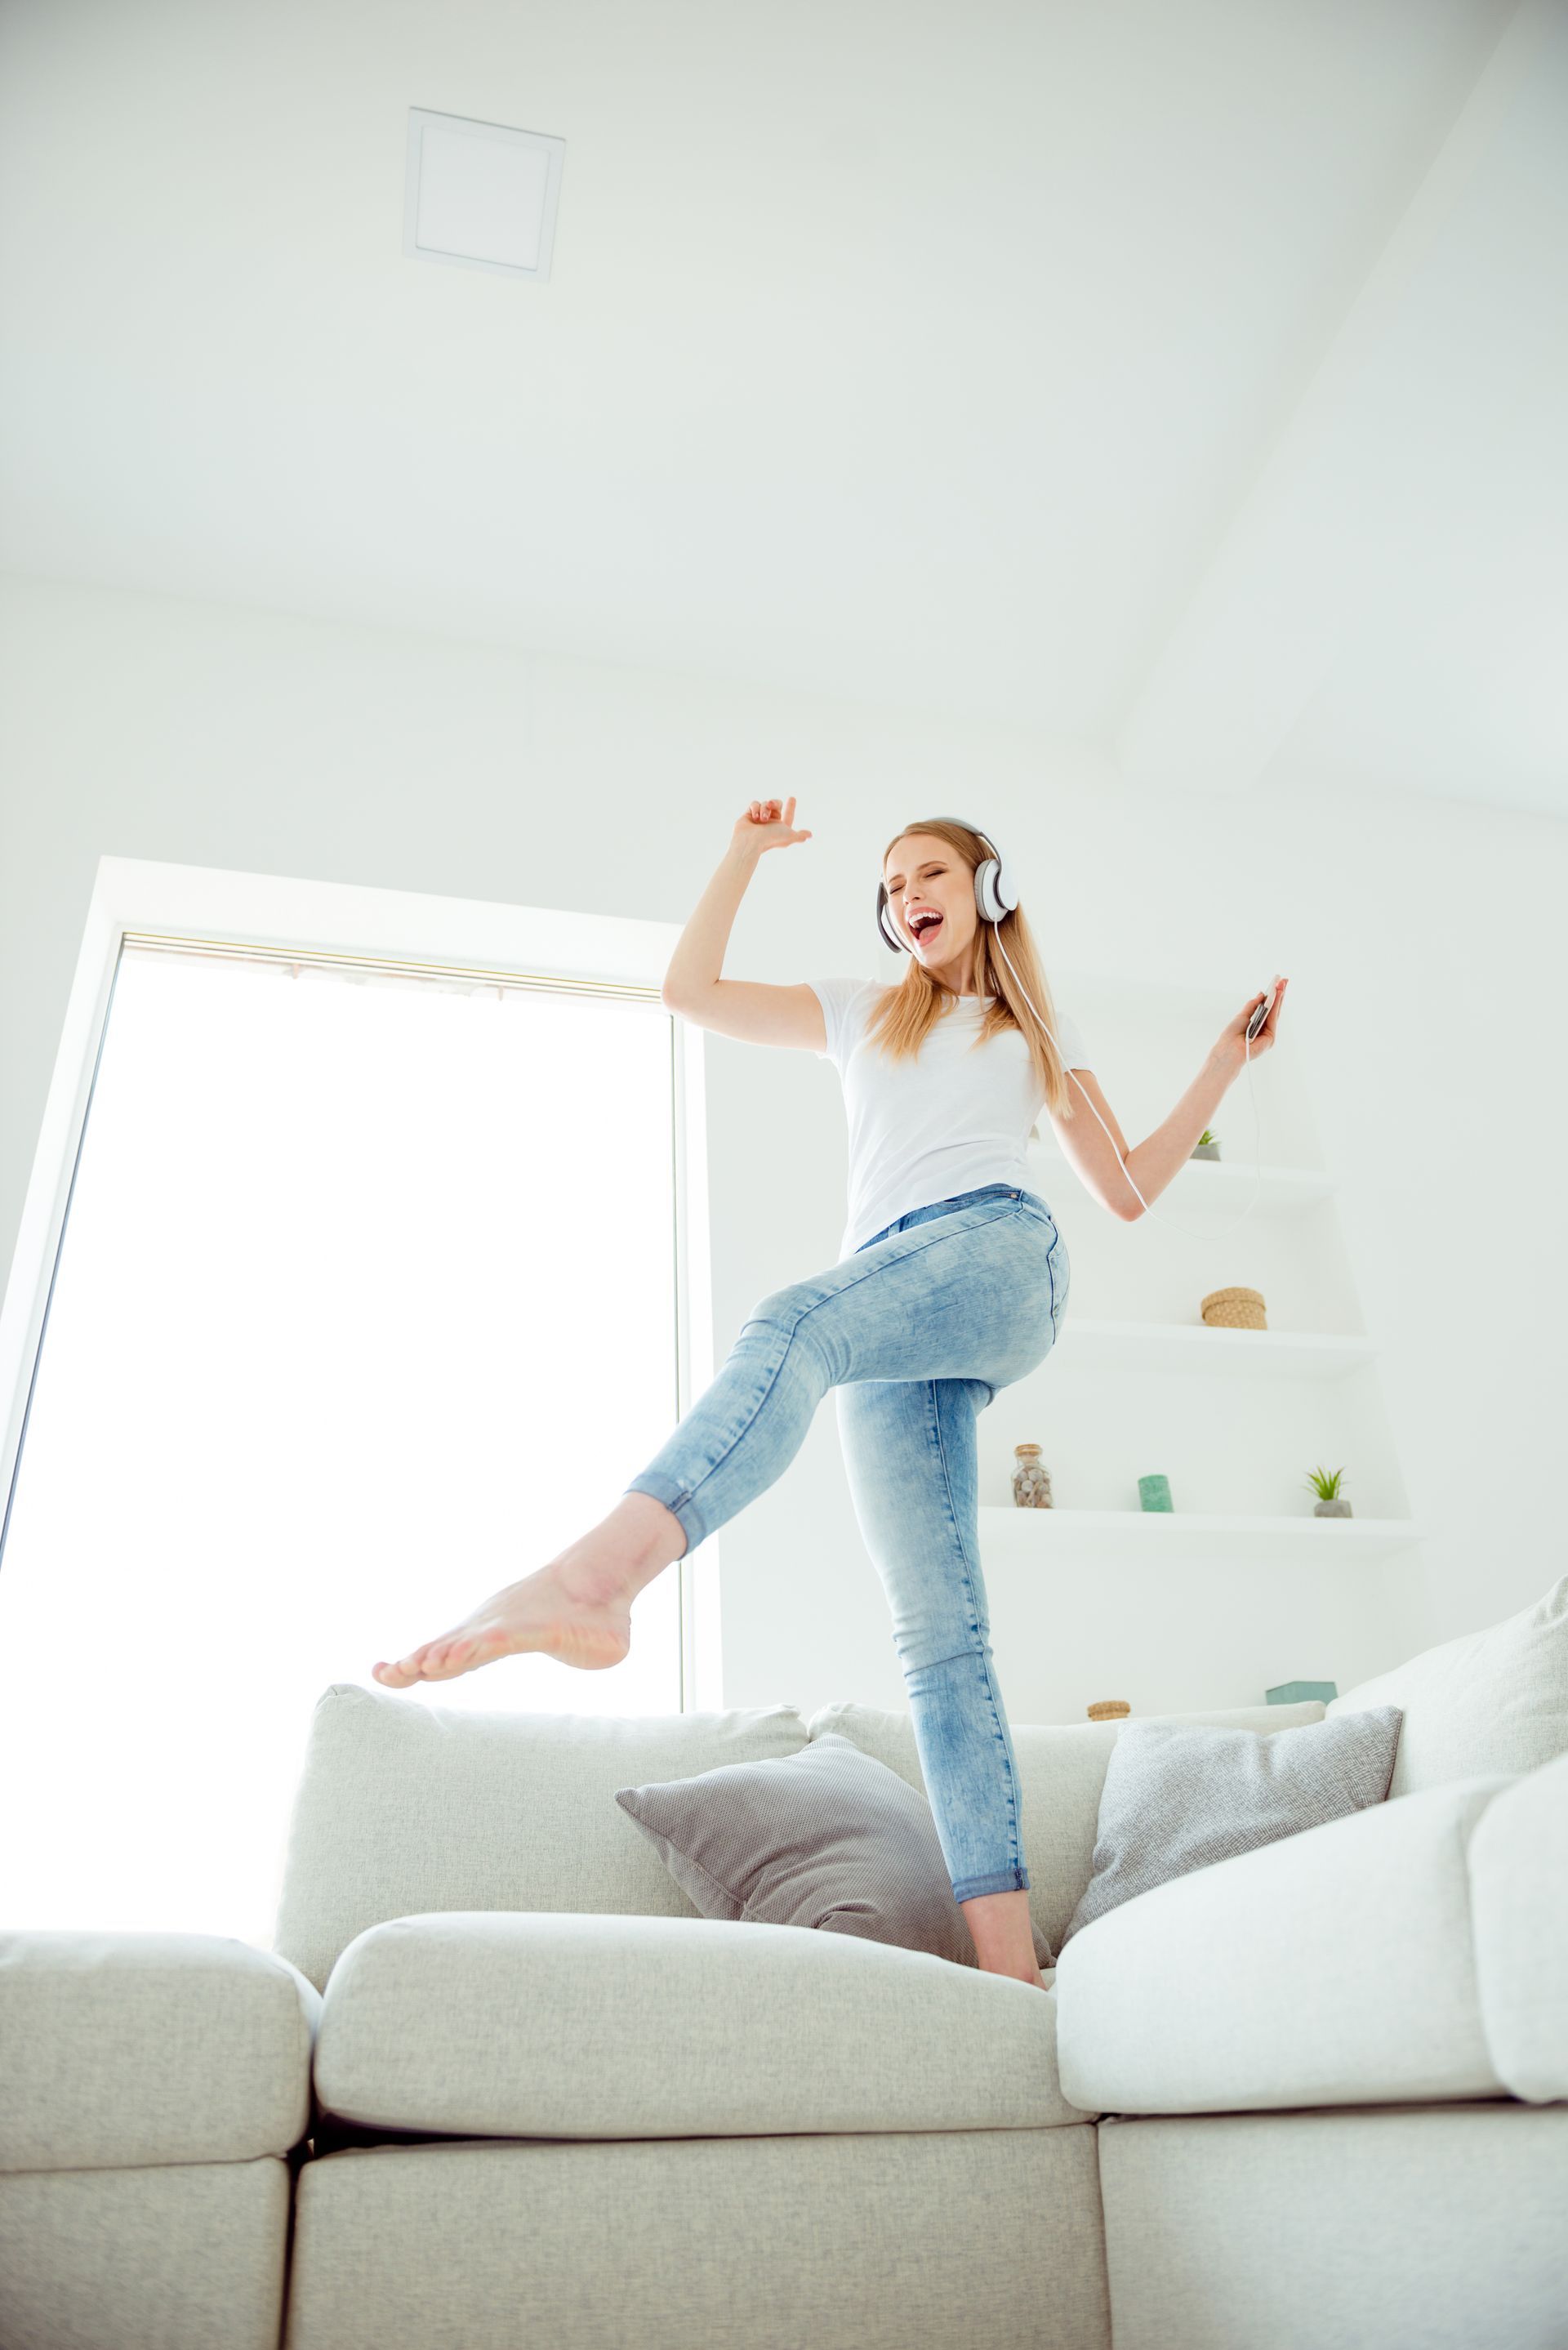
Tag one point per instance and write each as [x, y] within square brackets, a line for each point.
[1003, 1936]
[537, 1613]
[577, 1608]
[1018, 1974]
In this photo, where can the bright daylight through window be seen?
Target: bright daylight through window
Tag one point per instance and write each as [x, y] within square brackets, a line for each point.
[366, 1306]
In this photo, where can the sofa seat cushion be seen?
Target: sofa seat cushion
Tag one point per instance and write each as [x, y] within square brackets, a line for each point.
[405, 1806]
[1062, 1769]
[1334, 1968]
[125, 2049]
[578, 2026]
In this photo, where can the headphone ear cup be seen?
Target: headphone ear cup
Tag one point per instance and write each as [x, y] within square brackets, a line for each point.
[888, 934]
[986, 896]
[994, 893]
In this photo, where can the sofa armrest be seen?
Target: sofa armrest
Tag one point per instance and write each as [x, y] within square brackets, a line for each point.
[1333, 1968]
[127, 2049]
[1519, 1898]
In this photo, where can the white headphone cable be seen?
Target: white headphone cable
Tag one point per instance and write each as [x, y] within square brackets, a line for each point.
[996, 934]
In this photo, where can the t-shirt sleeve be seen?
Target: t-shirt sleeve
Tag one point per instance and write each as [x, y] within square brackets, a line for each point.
[839, 999]
[1070, 1038]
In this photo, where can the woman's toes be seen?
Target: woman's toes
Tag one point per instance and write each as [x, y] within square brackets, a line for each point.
[406, 1670]
[436, 1660]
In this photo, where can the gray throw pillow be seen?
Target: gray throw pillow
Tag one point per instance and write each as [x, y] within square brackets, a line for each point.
[1180, 1796]
[828, 1836]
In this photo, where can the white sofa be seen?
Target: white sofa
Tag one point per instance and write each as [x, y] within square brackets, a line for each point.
[514, 2091]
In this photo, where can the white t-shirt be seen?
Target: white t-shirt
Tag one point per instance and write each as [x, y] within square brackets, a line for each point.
[947, 1121]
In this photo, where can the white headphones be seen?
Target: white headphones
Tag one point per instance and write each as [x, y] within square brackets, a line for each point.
[995, 894]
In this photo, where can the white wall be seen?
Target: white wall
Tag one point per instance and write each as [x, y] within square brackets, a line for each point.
[1416, 933]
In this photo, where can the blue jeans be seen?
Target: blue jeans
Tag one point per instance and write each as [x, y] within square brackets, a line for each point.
[916, 1330]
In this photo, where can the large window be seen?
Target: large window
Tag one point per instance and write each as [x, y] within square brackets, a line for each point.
[366, 1304]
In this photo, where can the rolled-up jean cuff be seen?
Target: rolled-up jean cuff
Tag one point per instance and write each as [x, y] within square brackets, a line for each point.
[1000, 1880]
[680, 1505]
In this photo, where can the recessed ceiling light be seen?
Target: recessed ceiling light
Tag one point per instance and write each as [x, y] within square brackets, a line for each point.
[479, 194]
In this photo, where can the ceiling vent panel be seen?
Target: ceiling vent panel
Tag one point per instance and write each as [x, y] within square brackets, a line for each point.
[480, 195]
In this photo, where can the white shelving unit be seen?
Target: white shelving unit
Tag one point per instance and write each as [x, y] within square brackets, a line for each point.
[1240, 1586]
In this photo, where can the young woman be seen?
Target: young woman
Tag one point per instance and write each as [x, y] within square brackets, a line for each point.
[951, 1283]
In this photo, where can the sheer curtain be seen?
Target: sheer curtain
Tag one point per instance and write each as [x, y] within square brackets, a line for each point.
[366, 1304]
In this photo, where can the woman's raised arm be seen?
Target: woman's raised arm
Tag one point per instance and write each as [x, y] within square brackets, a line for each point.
[755, 1014]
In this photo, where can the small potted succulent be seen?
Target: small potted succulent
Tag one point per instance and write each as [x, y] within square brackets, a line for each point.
[1331, 1503]
[1206, 1146]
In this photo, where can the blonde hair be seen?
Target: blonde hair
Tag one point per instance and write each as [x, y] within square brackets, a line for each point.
[909, 1010]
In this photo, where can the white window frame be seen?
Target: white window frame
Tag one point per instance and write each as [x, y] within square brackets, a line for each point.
[217, 906]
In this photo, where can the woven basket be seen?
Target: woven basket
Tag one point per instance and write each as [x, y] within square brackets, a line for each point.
[1108, 1709]
[1234, 1309]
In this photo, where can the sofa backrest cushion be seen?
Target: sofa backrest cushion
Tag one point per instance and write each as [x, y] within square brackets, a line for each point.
[404, 1807]
[1063, 1768]
[1491, 1701]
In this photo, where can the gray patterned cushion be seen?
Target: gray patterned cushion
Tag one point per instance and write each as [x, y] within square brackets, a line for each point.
[1180, 1798]
[826, 1837]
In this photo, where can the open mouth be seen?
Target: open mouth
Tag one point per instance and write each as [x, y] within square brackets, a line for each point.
[924, 925]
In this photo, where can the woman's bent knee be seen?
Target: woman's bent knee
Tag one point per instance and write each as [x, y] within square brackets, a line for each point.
[820, 1354]
[784, 1308]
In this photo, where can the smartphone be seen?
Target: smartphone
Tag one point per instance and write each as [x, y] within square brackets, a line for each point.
[1262, 1014]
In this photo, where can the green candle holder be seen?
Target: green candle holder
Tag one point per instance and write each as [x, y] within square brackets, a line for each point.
[1154, 1492]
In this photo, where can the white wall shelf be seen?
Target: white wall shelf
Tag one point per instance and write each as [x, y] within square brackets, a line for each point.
[1175, 1537]
[1182, 1347]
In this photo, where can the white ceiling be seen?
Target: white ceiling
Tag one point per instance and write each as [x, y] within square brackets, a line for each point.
[1189, 376]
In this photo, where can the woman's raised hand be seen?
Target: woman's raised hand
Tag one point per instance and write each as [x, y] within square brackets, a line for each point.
[767, 824]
